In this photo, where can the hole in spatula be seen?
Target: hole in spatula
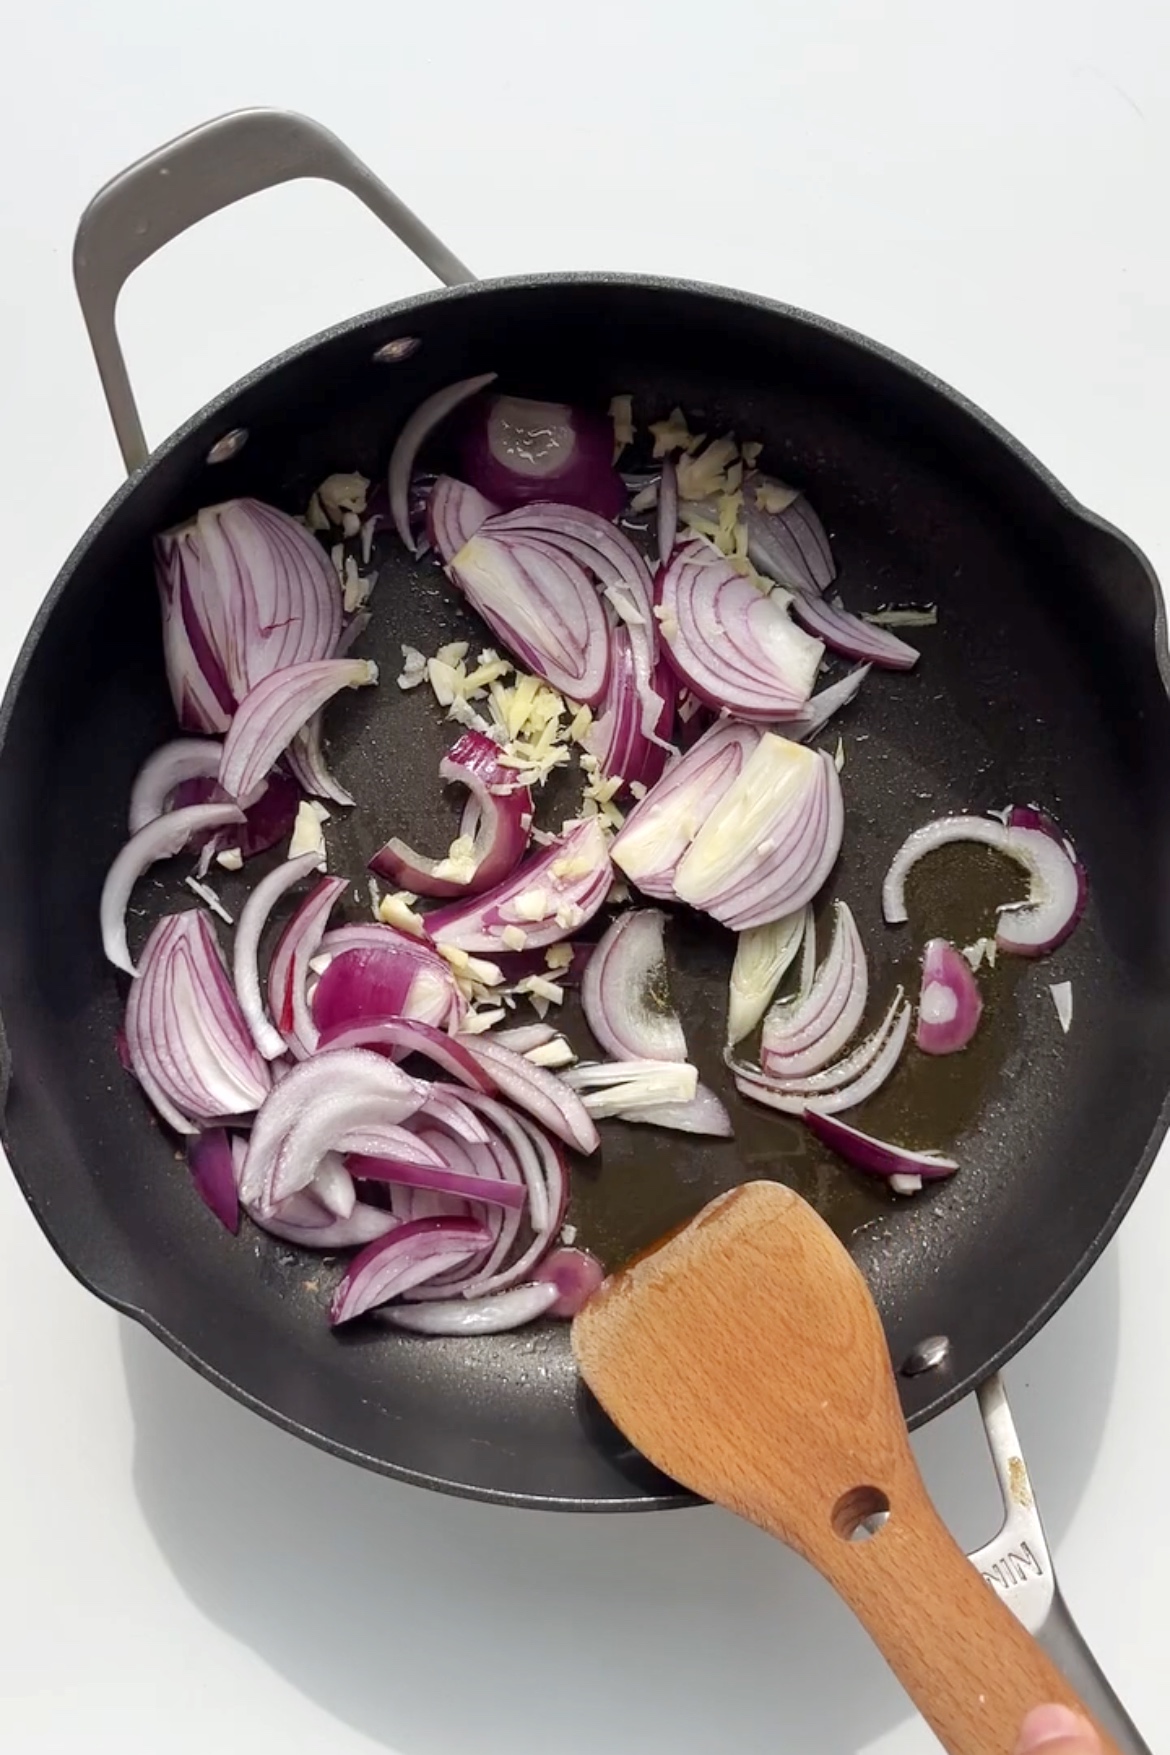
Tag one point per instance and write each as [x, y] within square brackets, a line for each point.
[860, 1513]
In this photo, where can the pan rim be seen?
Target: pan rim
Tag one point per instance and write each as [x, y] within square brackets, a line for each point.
[371, 321]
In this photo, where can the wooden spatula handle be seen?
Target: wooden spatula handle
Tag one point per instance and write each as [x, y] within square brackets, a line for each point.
[966, 1662]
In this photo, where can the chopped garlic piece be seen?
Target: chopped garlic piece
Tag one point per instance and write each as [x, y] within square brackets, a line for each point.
[556, 1053]
[530, 905]
[621, 413]
[775, 496]
[1062, 999]
[558, 956]
[644, 500]
[207, 894]
[443, 680]
[839, 758]
[905, 1184]
[907, 617]
[356, 587]
[569, 916]
[638, 788]
[414, 668]
[454, 652]
[581, 722]
[396, 911]
[751, 452]
[537, 987]
[475, 1023]
[674, 434]
[569, 1234]
[306, 835]
[514, 937]
[487, 974]
[231, 859]
[315, 516]
[342, 494]
[706, 474]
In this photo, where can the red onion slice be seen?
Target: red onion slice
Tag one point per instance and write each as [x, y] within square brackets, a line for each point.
[878, 1157]
[801, 1036]
[440, 1178]
[246, 948]
[304, 1221]
[623, 750]
[455, 511]
[624, 991]
[333, 1186]
[517, 451]
[398, 977]
[850, 635]
[410, 440]
[541, 604]
[407, 1257]
[161, 838]
[949, 1002]
[620, 572]
[212, 1167]
[546, 899]
[771, 840]
[288, 972]
[246, 591]
[273, 712]
[737, 650]
[788, 544]
[540, 1093]
[822, 706]
[186, 1038]
[575, 1274]
[398, 1036]
[503, 812]
[493, 1315]
[306, 759]
[1057, 884]
[186, 758]
[763, 956]
[660, 828]
[704, 1114]
[878, 1057]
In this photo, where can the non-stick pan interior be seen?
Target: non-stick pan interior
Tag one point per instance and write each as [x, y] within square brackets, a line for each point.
[1040, 682]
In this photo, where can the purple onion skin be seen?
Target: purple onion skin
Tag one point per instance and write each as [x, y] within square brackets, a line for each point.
[944, 966]
[209, 1159]
[269, 820]
[586, 479]
[876, 1157]
[1030, 816]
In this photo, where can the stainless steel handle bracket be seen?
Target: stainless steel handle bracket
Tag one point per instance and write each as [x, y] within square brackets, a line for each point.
[196, 175]
[1018, 1565]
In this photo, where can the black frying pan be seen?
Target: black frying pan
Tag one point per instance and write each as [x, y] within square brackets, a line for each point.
[1045, 679]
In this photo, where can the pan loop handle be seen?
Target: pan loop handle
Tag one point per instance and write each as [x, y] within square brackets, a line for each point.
[1018, 1566]
[185, 181]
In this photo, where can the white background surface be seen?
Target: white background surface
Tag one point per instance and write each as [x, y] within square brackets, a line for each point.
[984, 189]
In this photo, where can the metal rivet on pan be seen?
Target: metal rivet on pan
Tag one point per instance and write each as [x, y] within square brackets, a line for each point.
[228, 446]
[926, 1355]
[392, 352]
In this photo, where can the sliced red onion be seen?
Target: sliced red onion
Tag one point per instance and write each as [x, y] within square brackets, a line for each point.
[542, 605]
[842, 1072]
[186, 1037]
[803, 1035]
[410, 1255]
[160, 838]
[186, 758]
[614, 1087]
[822, 706]
[949, 1002]
[246, 591]
[303, 1220]
[763, 956]
[525, 1037]
[546, 1213]
[771, 840]
[333, 1186]
[288, 972]
[493, 1315]
[878, 1157]
[621, 574]
[625, 994]
[306, 758]
[516, 451]
[576, 1275]
[439, 1177]
[212, 1167]
[398, 977]
[1057, 883]
[788, 544]
[547, 898]
[502, 812]
[269, 820]
[667, 511]
[616, 737]
[246, 948]
[540, 1093]
[397, 1036]
[413, 436]
[823, 1091]
[315, 1104]
[704, 1114]
[455, 512]
[273, 712]
[661, 827]
[738, 650]
[849, 634]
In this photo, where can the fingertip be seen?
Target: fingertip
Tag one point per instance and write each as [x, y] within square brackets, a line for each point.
[1058, 1731]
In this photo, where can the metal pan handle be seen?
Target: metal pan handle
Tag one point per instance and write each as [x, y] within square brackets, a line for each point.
[194, 176]
[1018, 1565]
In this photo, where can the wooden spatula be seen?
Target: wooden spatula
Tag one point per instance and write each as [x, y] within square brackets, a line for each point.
[745, 1358]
